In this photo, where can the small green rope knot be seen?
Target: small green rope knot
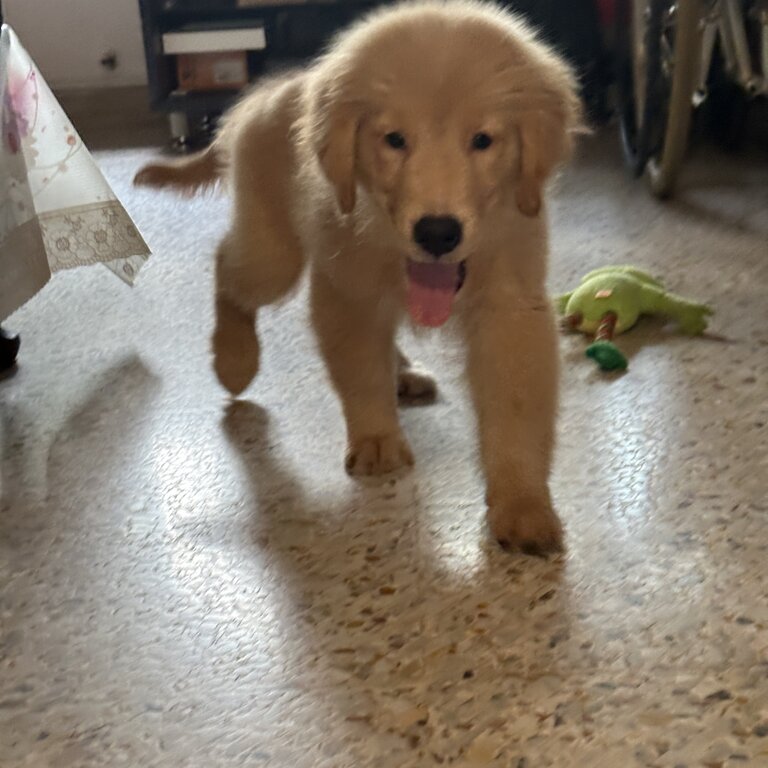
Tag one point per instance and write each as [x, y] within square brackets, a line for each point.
[607, 355]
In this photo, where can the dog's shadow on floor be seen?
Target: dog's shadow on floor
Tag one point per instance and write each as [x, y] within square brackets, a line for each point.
[375, 601]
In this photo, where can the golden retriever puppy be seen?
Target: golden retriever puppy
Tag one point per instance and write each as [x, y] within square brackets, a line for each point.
[406, 170]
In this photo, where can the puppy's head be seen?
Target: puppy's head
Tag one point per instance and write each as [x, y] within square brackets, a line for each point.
[441, 113]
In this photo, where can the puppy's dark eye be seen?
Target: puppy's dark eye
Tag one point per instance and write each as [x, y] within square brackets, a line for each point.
[481, 141]
[395, 139]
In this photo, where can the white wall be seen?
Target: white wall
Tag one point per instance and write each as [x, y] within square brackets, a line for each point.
[67, 38]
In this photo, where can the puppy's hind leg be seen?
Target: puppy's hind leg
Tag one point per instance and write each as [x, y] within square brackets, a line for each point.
[415, 384]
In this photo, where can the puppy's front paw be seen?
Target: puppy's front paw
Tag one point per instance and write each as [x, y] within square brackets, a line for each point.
[235, 359]
[378, 455]
[528, 524]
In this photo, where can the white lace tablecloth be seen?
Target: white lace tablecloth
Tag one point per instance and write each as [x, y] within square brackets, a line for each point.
[56, 208]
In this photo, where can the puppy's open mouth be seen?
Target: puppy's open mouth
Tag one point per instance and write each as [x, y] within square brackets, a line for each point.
[431, 289]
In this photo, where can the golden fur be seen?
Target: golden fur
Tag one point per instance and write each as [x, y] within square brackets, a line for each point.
[314, 183]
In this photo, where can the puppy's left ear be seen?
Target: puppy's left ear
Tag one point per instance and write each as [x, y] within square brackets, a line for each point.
[546, 129]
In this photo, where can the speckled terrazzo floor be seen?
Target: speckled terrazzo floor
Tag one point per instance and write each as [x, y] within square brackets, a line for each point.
[187, 582]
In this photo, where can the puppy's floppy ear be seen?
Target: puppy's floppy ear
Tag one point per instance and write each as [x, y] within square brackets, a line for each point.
[335, 121]
[337, 155]
[546, 130]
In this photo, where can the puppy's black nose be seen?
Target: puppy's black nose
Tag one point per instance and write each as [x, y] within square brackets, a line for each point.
[437, 235]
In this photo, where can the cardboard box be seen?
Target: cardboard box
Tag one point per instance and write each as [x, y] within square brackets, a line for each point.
[225, 70]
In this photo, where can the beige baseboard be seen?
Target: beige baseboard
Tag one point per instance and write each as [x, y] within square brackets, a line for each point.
[111, 118]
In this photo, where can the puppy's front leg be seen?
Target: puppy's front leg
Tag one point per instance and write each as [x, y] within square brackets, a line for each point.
[356, 339]
[512, 359]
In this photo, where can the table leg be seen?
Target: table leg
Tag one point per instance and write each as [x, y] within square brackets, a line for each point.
[180, 130]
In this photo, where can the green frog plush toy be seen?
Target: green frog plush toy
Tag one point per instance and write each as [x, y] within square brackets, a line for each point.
[610, 300]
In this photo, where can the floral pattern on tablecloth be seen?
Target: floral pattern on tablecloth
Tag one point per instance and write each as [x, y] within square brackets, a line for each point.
[47, 175]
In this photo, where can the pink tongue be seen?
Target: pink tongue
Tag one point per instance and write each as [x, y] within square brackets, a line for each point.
[431, 288]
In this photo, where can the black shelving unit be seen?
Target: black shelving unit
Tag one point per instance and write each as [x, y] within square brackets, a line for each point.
[294, 31]
[297, 30]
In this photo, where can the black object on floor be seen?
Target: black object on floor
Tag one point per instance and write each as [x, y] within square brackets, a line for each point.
[9, 348]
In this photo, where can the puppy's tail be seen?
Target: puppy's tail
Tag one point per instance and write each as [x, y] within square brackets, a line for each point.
[190, 175]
